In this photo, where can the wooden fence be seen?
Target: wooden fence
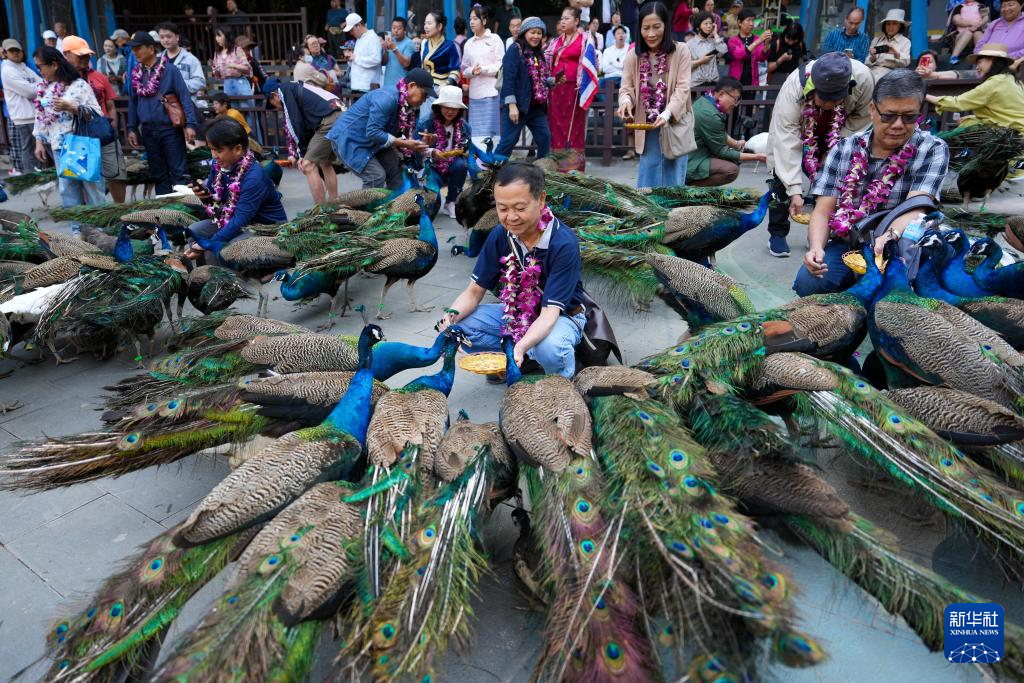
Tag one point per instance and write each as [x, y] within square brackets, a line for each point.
[277, 34]
[606, 138]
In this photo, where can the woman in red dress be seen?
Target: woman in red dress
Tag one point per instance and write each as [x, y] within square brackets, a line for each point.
[568, 121]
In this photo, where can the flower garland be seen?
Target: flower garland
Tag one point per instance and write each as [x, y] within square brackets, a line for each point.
[812, 116]
[406, 115]
[47, 116]
[152, 82]
[539, 75]
[289, 131]
[222, 210]
[654, 101]
[718, 106]
[849, 210]
[520, 292]
[441, 163]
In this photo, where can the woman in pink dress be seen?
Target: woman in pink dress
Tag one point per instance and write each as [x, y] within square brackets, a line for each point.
[567, 119]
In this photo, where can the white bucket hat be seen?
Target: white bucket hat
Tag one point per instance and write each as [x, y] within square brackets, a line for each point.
[449, 96]
[895, 15]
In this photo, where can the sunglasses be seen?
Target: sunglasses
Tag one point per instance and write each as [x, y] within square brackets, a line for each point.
[908, 119]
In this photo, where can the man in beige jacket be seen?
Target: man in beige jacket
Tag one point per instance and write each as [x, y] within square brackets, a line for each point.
[832, 80]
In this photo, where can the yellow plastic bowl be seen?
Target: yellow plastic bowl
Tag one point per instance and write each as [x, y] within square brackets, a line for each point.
[483, 363]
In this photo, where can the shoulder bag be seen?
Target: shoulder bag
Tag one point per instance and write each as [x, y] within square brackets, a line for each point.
[93, 124]
[174, 110]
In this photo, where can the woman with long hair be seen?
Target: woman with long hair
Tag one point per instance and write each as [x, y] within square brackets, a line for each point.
[481, 61]
[785, 53]
[230, 64]
[438, 55]
[705, 49]
[525, 90]
[59, 96]
[568, 120]
[656, 90]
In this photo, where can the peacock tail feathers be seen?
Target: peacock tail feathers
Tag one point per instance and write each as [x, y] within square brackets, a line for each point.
[871, 558]
[595, 629]
[690, 542]
[670, 197]
[619, 273]
[26, 181]
[110, 214]
[875, 427]
[133, 607]
[60, 461]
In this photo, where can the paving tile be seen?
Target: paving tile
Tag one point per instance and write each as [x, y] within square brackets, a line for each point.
[75, 552]
[26, 606]
[160, 492]
[24, 512]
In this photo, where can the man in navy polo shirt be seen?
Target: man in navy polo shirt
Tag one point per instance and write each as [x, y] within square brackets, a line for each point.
[557, 325]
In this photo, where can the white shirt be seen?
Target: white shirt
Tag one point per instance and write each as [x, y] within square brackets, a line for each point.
[19, 90]
[509, 41]
[612, 59]
[366, 60]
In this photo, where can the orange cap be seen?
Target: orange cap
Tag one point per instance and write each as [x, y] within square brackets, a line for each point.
[76, 46]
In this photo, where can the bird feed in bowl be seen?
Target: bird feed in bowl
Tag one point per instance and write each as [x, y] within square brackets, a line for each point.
[483, 363]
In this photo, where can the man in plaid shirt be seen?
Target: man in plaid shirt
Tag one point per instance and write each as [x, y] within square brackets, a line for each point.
[895, 108]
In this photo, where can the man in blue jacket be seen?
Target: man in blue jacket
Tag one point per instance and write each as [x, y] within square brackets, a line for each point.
[157, 78]
[258, 201]
[367, 137]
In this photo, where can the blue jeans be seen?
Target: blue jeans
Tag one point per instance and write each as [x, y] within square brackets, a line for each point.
[556, 352]
[536, 120]
[76, 193]
[655, 170]
[238, 87]
[836, 279]
[456, 177]
[165, 153]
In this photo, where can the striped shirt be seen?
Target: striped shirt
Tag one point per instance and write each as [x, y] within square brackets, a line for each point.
[925, 172]
[837, 40]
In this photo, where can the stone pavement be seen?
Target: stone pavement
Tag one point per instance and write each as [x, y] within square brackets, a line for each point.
[56, 546]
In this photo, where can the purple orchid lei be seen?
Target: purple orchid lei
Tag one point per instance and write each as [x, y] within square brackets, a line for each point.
[654, 101]
[440, 163]
[406, 115]
[47, 115]
[152, 83]
[539, 79]
[718, 106]
[812, 116]
[520, 292]
[849, 210]
[223, 209]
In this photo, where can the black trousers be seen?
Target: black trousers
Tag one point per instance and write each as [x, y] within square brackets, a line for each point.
[778, 212]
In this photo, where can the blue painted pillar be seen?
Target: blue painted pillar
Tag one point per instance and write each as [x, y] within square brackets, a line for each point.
[111, 21]
[401, 9]
[865, 27]
[33, 30]
[371, 14]
[82, 28]
[918, 26]
[449, 13]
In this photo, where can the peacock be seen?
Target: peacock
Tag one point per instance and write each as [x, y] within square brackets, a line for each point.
[407, 259]
[700, 295]
[289, 466]
[675, 196]
[1003, 315]
[980, 155]
[928, 341]
[256, 259]
[698, 232]
[312, 278]
[954, 275]
[1005, 280]
[414, 418]
[211, 288]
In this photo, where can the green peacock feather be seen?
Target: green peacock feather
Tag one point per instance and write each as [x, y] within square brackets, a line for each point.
[109, 214]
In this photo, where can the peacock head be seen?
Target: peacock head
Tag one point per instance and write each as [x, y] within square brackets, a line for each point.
[282, 276]
[985, 247]
[956, 239]
[420, 201]
[370, 336]
[932, 242]
[456, 334]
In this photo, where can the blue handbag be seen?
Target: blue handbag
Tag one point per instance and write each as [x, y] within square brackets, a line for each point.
[94, 125]
[80, 158]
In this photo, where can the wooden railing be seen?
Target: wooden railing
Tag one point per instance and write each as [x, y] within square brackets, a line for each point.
[606, 138]
[277, 34]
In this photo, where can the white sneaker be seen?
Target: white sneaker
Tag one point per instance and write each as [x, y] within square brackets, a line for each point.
[449, 208]
[14, 173]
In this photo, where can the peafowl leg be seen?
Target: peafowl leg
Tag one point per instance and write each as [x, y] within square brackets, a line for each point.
[346, 302]
[380, 305]
[261, 307]
[984, 199]
[57, 356]
[411, 287]
[170, 316]
[967, 200]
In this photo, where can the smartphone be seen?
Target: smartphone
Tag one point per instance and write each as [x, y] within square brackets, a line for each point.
[848, 52]
[881, 49]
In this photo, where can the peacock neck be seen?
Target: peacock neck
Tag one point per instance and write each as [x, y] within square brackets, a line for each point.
[352, 414]
[928, 284]
[896, 278]
[868, 285]
[444, 379]
[123, 252]
[512, 372]
[749, 221]
[991, 260]
[426, 233]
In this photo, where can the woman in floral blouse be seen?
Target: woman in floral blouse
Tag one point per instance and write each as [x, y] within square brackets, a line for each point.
[231, 65]
[60, 95]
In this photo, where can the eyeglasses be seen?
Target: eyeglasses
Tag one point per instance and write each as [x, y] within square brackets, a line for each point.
[908, 119]
[731, 94]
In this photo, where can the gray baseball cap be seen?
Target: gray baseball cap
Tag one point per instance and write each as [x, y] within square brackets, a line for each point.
[830, 75]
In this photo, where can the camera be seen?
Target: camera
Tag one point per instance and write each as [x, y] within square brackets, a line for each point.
[881, 49]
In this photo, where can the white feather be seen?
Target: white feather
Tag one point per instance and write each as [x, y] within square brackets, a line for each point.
[757, 144]
[26, 308]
